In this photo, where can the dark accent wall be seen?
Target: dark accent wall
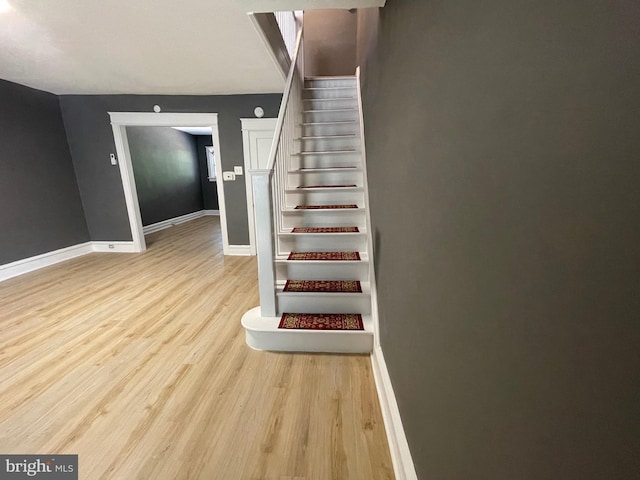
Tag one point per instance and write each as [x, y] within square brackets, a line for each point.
[330, 42]
[167, 172]
[209, 188]
[503, 149]
[40, 206]
[91, 141]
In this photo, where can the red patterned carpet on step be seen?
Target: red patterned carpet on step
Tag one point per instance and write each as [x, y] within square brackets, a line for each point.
[322, 321]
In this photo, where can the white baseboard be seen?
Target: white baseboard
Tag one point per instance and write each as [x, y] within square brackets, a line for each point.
[239, 250]
[30, 264]
[212, 212]
[113, 247]
[37, 262]
[155, 227]
[400, 454]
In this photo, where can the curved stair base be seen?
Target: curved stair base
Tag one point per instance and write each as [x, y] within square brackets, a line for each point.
[262, 333]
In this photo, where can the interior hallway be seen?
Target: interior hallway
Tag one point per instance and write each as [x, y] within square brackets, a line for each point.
[137, 363]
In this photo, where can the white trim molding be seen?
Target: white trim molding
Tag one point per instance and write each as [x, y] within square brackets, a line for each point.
[121, 120]
[212, 212]
[249, 125]
[170, 222]
[114, 247]
[372, 271]
[37, 262]
[26, 265]
[403, 467]
[241, 250]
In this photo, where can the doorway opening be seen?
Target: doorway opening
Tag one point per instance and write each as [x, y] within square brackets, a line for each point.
[121, 120]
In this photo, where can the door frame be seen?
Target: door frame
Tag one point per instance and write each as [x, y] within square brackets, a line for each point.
[119, 122]
[252, 125]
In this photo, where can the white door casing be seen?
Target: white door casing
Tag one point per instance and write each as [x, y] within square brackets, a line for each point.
[121, 120]
[257, 137]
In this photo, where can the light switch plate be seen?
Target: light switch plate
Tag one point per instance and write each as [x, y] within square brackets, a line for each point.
[237, 170]
[228, 176]
[113, 159]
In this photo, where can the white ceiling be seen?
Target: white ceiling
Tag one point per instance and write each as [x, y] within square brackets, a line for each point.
[195, 130]
[142, 46]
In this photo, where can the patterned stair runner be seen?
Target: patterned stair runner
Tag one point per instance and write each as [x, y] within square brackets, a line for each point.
[325, 207]
[325, 230]
[327, 186]
[324, 256]
[322, 321]
[327, 286]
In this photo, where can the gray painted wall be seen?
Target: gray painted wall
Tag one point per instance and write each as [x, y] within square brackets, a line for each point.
[91, 141]
[329, 42]
[209, 189]
[40, 206]
[167, 172]
[507, 133]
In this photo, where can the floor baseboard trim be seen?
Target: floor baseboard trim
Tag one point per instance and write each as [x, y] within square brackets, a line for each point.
[37, 262]
[239, 250]
[113, 247]
[26, 265]
[399, 448]
[212, 212]
[170, 222]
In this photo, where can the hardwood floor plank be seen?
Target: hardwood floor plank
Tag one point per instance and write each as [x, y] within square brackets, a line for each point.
[137, 363]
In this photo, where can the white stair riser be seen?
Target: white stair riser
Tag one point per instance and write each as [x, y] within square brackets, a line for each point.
[322, 197]
[329, 144]
[329, 129]
[356, 270]
[324, 303]
[326, 160]
[324, 242]
[329, 115]
[330, 82]
[329, 103]
[311, 341]
[325, 178]
[337, 92]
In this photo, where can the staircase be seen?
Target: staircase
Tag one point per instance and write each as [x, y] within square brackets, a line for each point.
[318, 274]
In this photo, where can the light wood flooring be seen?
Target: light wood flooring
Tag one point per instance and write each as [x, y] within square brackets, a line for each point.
[137, 363]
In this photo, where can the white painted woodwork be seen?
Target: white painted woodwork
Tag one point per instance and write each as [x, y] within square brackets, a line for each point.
[323, 269]
[403, 466]
[262, 333]
[330, 82]
[330, 103]
[257, 137]
[324, 242]
[330, 128]
[332, 115]
[154, 227]
[372, 274]
[264, 240]
[323, 148]
[121, 120]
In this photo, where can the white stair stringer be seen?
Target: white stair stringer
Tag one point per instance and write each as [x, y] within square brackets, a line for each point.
[328, 156]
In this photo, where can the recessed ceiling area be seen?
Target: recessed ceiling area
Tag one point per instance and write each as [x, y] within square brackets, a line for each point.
[195, 130]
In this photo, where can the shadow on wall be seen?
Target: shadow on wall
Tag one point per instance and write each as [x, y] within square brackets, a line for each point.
[330, 42]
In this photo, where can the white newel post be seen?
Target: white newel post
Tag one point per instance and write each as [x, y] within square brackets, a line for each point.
[263, 210]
